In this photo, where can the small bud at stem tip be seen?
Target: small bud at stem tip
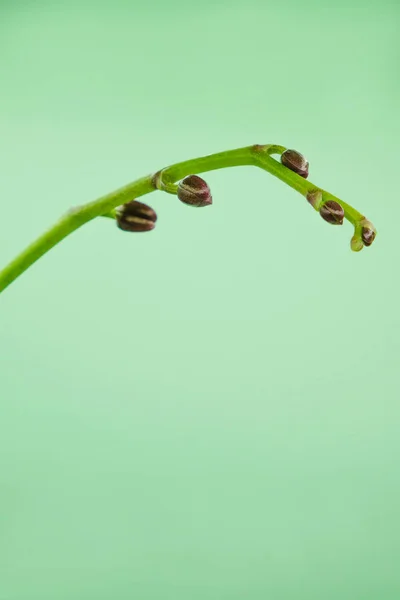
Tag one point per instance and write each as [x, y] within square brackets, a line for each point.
[356, 243]
[367, 235]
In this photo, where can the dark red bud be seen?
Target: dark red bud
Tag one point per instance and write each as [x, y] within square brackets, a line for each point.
[193, 190]
[136, 216]
[296, 162]
[332, 212]
[367, 235]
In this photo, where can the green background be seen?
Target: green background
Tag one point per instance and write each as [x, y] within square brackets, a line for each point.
[211, 410]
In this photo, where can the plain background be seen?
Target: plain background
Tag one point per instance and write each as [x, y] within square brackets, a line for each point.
[209, 411]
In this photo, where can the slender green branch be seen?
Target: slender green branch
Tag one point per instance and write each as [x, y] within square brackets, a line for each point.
[166, 180]
[264, 160]
[74, 219]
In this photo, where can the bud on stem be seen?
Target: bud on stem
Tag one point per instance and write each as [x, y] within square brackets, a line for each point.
[367, 235]
[332, 212]
[314, 197]
[368, 232]
[136, 216]
[194, 191]
[296, 162]
[356, 243]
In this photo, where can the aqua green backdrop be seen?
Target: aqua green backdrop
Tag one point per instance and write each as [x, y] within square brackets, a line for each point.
[209, 411]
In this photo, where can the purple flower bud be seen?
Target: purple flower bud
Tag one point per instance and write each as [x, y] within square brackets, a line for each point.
[136, 216]
[332, 212]
[368, 235]
[296, 162]
[193, 190]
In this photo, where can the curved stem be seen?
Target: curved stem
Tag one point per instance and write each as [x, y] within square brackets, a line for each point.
[264, 160]
[74, 219]
[257, 155]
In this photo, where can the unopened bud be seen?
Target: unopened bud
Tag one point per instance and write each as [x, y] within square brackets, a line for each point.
[332, 212]
[193, 190]
[368, 235]
[296, 162]
[356, 243]
[314, 197]
[136, 216]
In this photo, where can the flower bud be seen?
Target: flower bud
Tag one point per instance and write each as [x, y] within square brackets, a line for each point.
[314, 197]
[193, 190]
[296, 162]
[356, 243]
[368, 235]
[136, 216]
[332, 212]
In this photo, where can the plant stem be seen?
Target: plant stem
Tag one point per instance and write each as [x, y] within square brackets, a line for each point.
[74, 219]
[251, 155]
[264, 160]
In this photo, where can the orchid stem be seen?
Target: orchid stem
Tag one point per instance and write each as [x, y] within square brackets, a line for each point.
[257, 155]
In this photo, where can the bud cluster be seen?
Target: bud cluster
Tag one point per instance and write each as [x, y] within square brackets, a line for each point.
[194, 191]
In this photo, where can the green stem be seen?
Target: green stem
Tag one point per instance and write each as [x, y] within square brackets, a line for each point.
[264, 160]
[251, 155]
[74, 219]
